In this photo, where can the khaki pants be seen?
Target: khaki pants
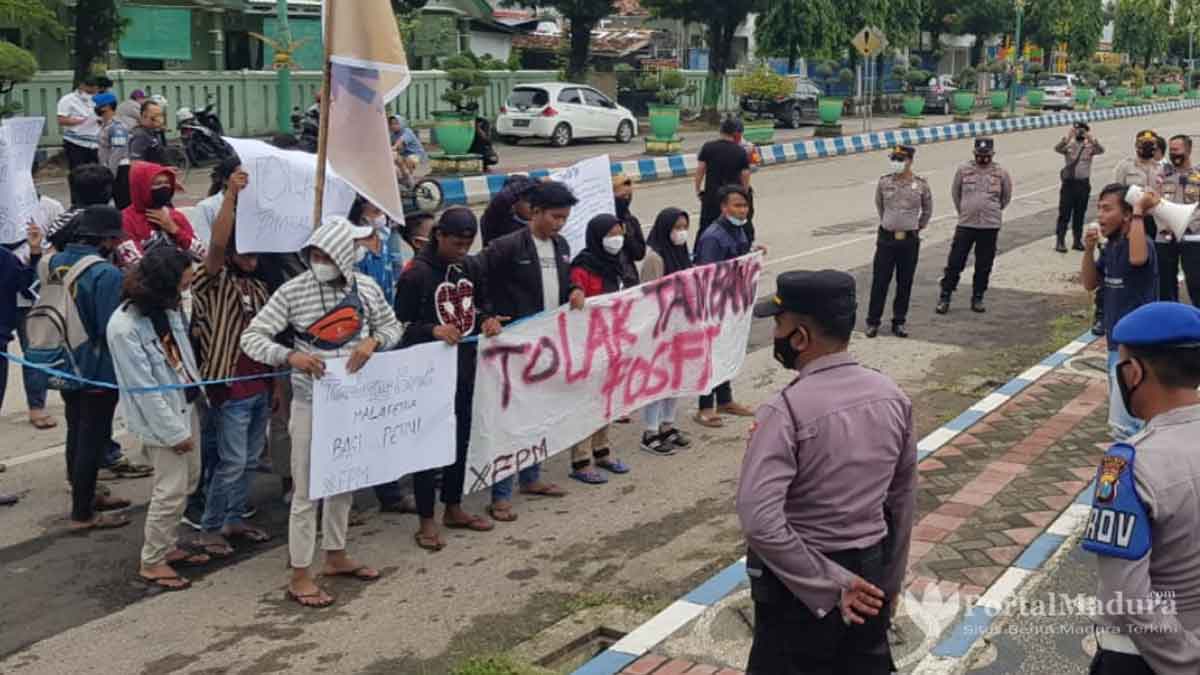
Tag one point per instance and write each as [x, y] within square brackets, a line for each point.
[581, 452]
[175, 477]
[302, 524]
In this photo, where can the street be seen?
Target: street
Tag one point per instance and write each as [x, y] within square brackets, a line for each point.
[608, 556]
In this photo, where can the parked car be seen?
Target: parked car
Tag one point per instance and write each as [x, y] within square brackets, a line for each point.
[1060, 91]
[562, 112]
[792, 111]
[938, 95]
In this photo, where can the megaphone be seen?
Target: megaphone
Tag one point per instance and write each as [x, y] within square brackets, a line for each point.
[1168, 215]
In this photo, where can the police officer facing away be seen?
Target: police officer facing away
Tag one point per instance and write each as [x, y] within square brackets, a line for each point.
[1180, 184]
[981, 191]
[1078, 148]
[905, 204]
[827, 493]
[1145, 513]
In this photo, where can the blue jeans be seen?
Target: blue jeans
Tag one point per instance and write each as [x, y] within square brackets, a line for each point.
[3, 370]
[208, 457]
[241, 427]
[502, 490]
[1120, 420]
[35, 380]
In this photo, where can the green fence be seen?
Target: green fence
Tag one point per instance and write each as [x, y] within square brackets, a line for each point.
[245, 100]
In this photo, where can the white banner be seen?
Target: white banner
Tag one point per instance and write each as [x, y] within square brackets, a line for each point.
[547, 383]
[274, 212]
[18, 196]
[394, 417]
[591, 182]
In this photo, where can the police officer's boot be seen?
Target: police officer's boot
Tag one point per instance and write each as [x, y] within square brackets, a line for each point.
[977, 304]
[943, 305]
[898, 330]
[872, 331]
[1077, 245]
[1060, 243]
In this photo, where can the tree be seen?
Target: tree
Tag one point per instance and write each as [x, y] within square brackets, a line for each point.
[983, 19]
[582, 17]
[1141, 29]
[795, 28]
[98, 24]
[16, 66]
[937, 18]
[720, 19]
[1079, 23]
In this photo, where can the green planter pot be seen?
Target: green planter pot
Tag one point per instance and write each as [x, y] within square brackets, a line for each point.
[1034, 98]
[1122, 93]
[760, 133]
[1193, 94]
[664, 121]
[913, 106]
[455, 131]
[999, 100]
[829, 109]
[964, 102]
[1148, 91]
[1083, 95]
[1104, 103]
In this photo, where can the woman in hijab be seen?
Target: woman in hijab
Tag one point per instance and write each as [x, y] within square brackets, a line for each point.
[597, 270]
[667, 253]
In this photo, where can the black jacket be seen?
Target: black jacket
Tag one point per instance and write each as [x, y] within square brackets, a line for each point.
[634, 250]
[416, 302]
[512, 274]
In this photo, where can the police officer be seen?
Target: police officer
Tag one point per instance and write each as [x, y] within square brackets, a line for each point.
[1180, 184]
[1078, 148]
[1144, 171]
[981, 191]
[905, 204]
[827, 493]
[1145, 513]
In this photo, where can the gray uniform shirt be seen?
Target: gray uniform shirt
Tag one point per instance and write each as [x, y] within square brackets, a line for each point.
[1069, 150]
[981, 193]
[815, 480]
[903, 204]
[1166, 472]
[1145, 173]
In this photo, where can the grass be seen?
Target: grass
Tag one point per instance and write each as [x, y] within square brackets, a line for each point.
[647, 602]
[496, 664]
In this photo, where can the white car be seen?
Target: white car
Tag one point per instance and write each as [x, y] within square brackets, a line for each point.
[562, 112]
[1060, 91]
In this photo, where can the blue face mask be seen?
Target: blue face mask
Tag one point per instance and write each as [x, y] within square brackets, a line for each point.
[735, 221]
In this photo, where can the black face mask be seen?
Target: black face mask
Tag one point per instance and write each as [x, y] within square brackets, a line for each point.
[1178, 160]
[983, 160]
[1125, 389]
[161, 196]
[1146, 151]
[1080, 135]
[785, 353]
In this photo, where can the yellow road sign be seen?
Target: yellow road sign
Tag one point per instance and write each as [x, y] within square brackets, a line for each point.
[869, 41]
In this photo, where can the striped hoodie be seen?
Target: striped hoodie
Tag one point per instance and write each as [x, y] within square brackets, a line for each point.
[303, 300]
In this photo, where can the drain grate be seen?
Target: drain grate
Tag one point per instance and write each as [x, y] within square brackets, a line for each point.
[579, 651]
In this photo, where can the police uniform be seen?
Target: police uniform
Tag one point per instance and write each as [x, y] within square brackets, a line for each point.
[1145, 173]
[827, 495]
[1181, 186]
[980, 193]
[905, 204]
[1143, 524]
[1076, 187]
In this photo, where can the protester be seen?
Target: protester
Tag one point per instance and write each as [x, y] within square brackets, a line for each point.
[146, 141]
[80, 128]
[528, 271]
[417, 232]
[89, 411]
[375, 250]
[444, 262]
[204, 214]
[151, 220]
[725, 241]
[114, 147]
[667, 253]
[721, 162]
[150, 348]
[509, 210]
[16, 278]
[226, 296]
[1129, 272]
[331, 286]
[635, 240]
[597, 269]
[130, 112]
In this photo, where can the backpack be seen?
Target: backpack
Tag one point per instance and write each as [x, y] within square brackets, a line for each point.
[53, 326]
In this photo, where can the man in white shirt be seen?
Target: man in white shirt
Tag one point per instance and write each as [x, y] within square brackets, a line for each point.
[79, 124]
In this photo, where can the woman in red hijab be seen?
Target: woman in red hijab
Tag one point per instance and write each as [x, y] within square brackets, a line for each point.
[150, 220]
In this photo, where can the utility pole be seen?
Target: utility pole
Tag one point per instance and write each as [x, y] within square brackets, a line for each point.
[283, 77]
[1012, 89]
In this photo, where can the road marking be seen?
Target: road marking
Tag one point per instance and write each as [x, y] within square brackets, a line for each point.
[53, 451]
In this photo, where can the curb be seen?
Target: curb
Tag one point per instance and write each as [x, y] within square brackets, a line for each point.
[956, 644]
[474, 190]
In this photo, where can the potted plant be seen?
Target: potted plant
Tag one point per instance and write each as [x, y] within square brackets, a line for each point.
[999, 97]
[16, 66]
[964, 96]
[455, 129]
[829, 108]
[669, 86]
[1084, 93]
[759, 90]
[1034, 96]
[911, 76]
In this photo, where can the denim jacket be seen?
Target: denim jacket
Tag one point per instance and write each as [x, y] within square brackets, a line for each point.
[159, 418]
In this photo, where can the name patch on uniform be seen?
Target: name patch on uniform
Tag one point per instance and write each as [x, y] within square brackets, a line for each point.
[1118, 525]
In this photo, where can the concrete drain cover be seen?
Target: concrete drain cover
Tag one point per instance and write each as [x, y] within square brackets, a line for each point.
[579, 651]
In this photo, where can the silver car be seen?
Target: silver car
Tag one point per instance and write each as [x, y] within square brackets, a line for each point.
[1060, 91]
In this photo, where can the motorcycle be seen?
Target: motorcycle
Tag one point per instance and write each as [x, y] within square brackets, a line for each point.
[201, 132]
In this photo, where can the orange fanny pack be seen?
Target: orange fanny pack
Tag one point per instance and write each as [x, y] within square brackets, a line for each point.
[338, 326]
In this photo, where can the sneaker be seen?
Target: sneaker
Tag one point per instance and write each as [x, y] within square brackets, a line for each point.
[676, 437]
[193, 519]
[656, 444]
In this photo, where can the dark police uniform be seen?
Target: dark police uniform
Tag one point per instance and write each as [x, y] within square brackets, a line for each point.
[1181, 186]
[1143, 524]
[827, 495]
[905, 205]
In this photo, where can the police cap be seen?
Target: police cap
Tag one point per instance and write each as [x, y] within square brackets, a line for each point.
[826, 293]
[904, 152]
[1160, 324]
[985, 146]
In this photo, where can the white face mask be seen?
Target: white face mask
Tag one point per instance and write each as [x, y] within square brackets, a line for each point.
[612, 245]
[379, 222]
[360, 254]
[679, 237]
[326, 272]
[735, 221]
[897, 166]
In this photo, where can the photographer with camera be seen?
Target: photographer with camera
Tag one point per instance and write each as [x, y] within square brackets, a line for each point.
[1078, 147]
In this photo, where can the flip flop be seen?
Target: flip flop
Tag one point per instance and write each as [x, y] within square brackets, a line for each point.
[250, 534]
[504, 515]
[189, 559]
[43, 422]
[157, 582]
[424, 542]
[474, 523]
[107, 503]
[359, 573]
[613, 465]
[550, 490]
[299, 599]
[589, 476]
[712, 422]
[101, 522]
[9, 500]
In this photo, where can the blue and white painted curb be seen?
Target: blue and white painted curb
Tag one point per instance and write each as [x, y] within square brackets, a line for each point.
[954, 644]
[480, 189]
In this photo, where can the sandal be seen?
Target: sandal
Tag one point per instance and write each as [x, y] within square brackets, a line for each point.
[589, 476]
[302, 599]
[361, 573]
[676, 437]
[250, 534]
[501, 514]
[612, 465]
[43, 421]
[9, 500]
[550, 490]
[100, 522]
[107, 503]
[188, 559]
[429, 543]
[710, 420]
[165, 583]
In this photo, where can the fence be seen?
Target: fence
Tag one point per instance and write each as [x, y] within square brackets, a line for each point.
[245, 100]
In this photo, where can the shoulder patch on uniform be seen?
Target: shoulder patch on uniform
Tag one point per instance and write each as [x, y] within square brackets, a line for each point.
[1118, 525]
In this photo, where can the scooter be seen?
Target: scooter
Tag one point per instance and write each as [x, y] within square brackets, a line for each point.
[201, 133]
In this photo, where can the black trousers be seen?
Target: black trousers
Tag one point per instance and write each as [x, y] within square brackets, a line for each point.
[89, 428]
[897, 256]
[723, 393]
[121, 197]
[1073, 199]
[1115, 663]
[1170, 256]
[789, 638]
[425, 482]
[984, 243]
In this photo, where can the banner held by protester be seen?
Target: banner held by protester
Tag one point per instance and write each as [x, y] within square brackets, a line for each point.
[394, 417]
[18, 195]
[552, 380]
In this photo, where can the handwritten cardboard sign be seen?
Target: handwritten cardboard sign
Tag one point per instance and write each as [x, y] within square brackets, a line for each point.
[18, 195]
[591, 183]
[274, 213]
[552, 381]
[394, 417]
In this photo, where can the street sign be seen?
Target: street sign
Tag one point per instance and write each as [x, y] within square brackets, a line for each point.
[869, 41]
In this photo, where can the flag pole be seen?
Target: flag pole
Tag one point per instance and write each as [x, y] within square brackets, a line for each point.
[323, 133]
